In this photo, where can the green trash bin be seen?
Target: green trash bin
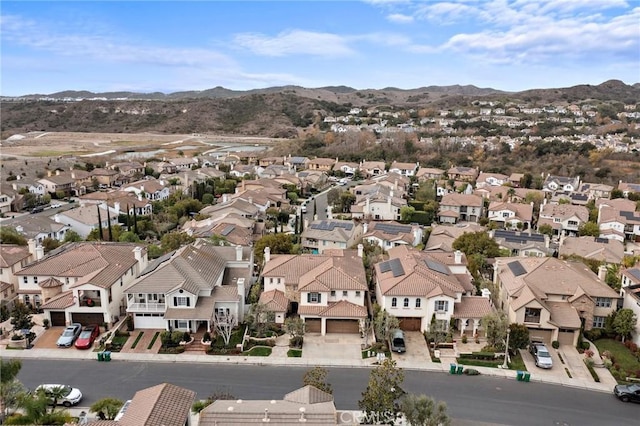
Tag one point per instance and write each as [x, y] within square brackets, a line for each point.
[107, 356]
[100, 356]
[460, 368]
[452, 368]
[527, 376]
[519, 375]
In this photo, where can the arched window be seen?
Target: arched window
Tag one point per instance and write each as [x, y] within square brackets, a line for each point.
[418, 302]
[406, 302]
[394, 302]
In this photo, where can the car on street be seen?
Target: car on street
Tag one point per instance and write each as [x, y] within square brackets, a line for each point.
[87, 336]
[38, 209]
[541, 355]
[69, 335]
[67, 395]
[626, 393]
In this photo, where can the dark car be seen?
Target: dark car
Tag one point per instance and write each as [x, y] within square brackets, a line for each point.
[38, 209]
[626, 393]
[87, 336]
[397, 342]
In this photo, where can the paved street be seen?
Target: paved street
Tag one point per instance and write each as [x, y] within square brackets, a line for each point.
[474, 399]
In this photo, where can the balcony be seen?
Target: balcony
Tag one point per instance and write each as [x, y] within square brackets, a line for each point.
[90, 302]
[532, 319]
[146, 307]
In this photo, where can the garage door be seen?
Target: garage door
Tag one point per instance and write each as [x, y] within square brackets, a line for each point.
[566, 337]
[342, 326]
[87, 319]
[410, 324]
[149, 321]
[57, 319]
[537, 335]
[312, 325]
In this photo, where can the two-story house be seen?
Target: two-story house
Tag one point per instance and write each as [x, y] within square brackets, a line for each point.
[462, 174]
[510, 215]
[404, 169]
[564, 219]
[378, 206]
[83, 282]
[12, 259]
[456, 208]
[390, 234]
[151, 189]
[628, 188]
[348, 168]
[522, 243]
[372, 168]
[491, 179]
[424, 290]
[322, 235]
[85, 219]
[192, 288]
[561, 183]
[605, 250]
[429, 173]
[322, 164]
[630, 293]
[553, 298]
[58, 183]
[618, 219]
[329, 290]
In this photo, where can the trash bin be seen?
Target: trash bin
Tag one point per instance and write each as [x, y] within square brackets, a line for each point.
[107, 356]
[527, 376]
[452, 368]
[100, 356]
[460, 368]
[519, 375]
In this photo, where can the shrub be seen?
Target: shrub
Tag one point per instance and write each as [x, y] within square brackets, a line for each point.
[296, 342]
[585, 345]
[471, 372]
[186, 337]
[555, 344]
[594, 334]
[464, 338]
[45, 323]
[488, 356]
[130, 324]
[206, 337]
[16, 337]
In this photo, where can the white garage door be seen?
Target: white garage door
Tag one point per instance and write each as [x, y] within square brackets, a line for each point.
[149, 321]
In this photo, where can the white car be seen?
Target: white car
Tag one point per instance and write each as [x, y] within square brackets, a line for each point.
[69, 396]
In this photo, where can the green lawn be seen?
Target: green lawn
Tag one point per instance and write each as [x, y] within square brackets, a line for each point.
[137, 340]
[622, 357]
[259, 351]
[294, 353]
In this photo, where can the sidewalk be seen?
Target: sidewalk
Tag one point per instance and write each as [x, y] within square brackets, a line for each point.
[579, 383]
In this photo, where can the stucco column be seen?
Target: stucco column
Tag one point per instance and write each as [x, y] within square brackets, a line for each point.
[476, 325]
[463, 326]
[323, 326]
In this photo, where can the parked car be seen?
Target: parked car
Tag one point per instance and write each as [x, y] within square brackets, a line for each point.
[397, 341]
[87, 336]
[541, 355]
[68, 397]
[303, 208]
[626, 393]
[69, 335]
[38, 209]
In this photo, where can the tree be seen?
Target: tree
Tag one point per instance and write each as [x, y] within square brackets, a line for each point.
[279, 244]
[224, 325]
[218, 394]
[174, 240]
[624, 323]
[380, 400]
[590, 229]
[11, 236]
[317, 377]
[477, 243]
[107, 406]
[546, 229]
[518, 337]
[10, 387]
[422, 410]
[55, 393]
[72, 236]
[495, 326]
[257, 316]
[21, 317]
[406, 213]
[295, 328]
[384, 323]
[129, 237]
[49, 244]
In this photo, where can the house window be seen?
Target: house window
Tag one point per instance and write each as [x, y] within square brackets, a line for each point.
[333, 293]
[442, 305]
[25, 280]
[572, 223]
[181, 301]
[505, 214]
[532, 315]
[357, 293]
[182, 324]
[394, 302]
[418, 302]
[406, 302]
[556, 219]
[598, 322]
[314, 297]
[279, 280]
[26, 299]
[35, 280]
[603, 302]
[344, 293]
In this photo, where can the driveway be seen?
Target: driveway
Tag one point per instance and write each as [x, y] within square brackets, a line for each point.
[332, 346]
[48, 339]
[417, 350]
[565, 358]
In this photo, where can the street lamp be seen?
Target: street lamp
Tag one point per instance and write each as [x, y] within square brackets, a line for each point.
[505, 364]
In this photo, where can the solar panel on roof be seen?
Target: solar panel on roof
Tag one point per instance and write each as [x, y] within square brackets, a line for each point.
[436, 266]
[388, 228]
[396, 267]
[601, 240]
[635, 273]
[227, 230]
[385, 266]
[517, 268]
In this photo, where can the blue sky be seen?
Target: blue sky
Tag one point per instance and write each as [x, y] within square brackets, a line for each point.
[178, 45]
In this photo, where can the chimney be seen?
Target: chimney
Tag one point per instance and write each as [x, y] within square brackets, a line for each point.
[239, 253]
[365, 228]
[39, 252]
[602, 272]
[116, 207]
[137, 254]
[240, 287]
[49, 173]
[458, 257]
[360, 250]
[57, 172]
[73, 174]
[486, 293]
[250, 200]
[32, 247]
[267, 254]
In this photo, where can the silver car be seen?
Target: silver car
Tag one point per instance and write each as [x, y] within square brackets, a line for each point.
[69, 335]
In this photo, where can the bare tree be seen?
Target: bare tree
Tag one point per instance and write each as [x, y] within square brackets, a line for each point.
[366, 326]
[224, 324]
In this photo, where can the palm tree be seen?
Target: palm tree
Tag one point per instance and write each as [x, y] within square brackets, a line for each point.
[55, 393]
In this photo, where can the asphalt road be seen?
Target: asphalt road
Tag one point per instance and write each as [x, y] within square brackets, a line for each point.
[472, 399]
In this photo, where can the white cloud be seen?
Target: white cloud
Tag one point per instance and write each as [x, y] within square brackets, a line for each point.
[399, 18]
[295, 42]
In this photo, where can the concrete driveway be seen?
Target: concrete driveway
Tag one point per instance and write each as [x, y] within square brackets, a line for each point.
[565, 358]
[332, 346]
[417, 349]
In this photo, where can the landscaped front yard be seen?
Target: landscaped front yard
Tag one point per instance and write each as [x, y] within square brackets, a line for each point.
[625, 363]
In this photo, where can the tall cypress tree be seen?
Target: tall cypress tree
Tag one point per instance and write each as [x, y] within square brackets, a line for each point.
[109, 224]
[135, 221]
[128, 219]
[99, 223]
